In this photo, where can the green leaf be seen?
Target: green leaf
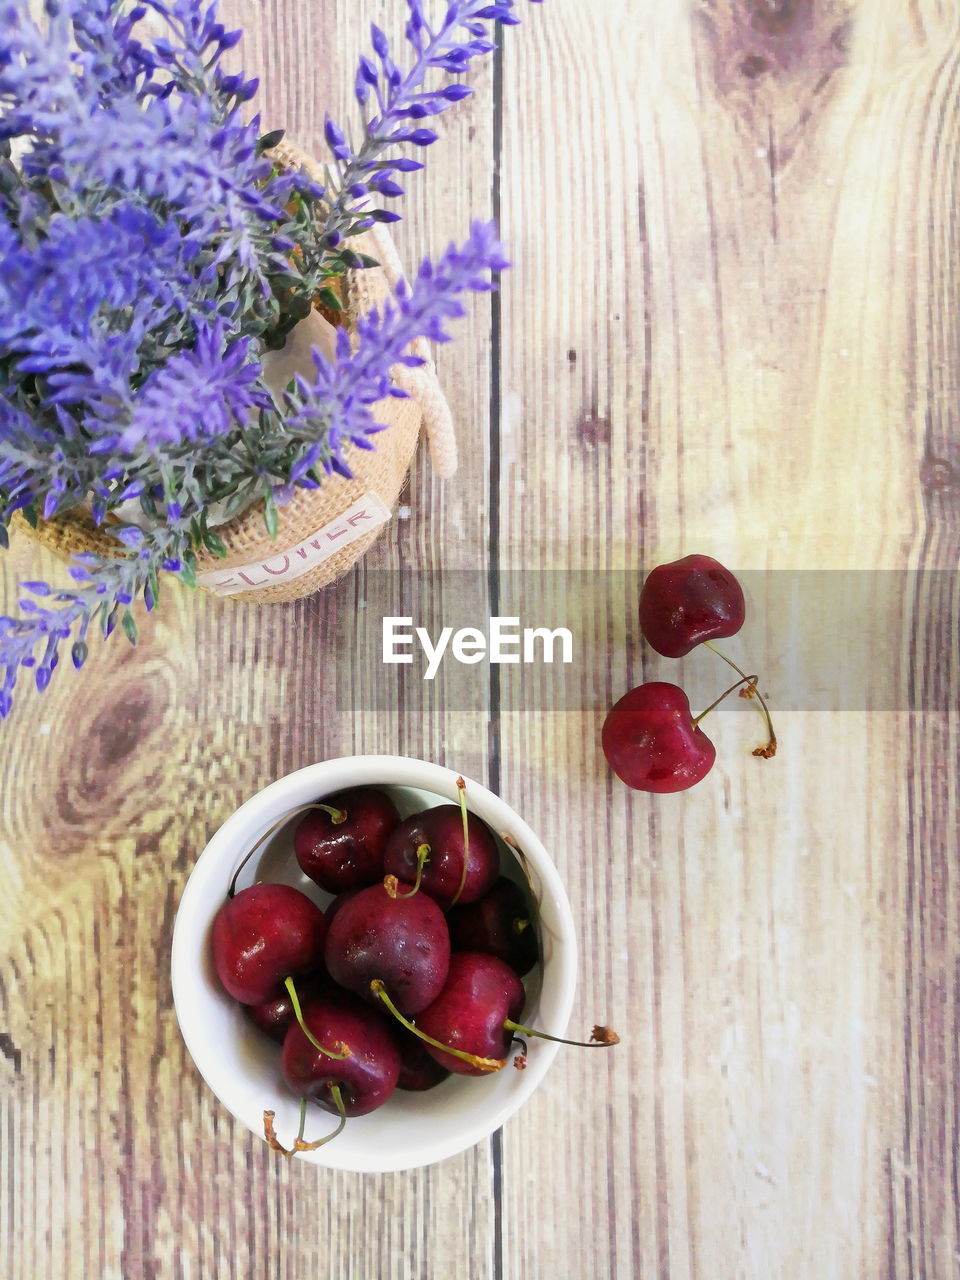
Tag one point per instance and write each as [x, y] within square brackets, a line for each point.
[270, 140]
[327, 298]
[235, 502]
[214, 544]
[188, 574]
[30, 515]
[129, 627]
[270, 517]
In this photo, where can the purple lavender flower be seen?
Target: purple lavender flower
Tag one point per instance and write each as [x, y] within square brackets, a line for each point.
[342, 394]
[150, 253]
[103, 599]
[160, 119]
[391, 101]
[197, 396]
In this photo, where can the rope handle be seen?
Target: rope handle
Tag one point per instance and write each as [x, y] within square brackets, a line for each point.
[421, 384]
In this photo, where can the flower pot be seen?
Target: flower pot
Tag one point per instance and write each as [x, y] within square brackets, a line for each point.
[322, 532]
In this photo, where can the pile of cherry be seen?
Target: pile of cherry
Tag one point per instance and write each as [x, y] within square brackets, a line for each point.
[412, 972]
[651, 739]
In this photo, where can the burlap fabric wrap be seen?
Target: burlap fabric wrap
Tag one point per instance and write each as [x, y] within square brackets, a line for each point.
[322, 532]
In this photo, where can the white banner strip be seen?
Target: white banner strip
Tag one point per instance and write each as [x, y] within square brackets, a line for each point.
[366, 514]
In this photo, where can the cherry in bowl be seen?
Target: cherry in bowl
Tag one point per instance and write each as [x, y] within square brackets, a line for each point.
[240, 1063]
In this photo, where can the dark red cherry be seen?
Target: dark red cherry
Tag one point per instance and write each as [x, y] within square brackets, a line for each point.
[346, 854]
[418, 1071]
[652, 743]
[403, 941]
[441, 831]
[334, 905]
[500, 924]
[480, 995]
[275, 1017]
[366, 1077]
[264, 935]
[689, 601]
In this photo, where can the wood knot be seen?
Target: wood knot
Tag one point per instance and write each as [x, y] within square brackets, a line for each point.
[939, 475]
[772, 61]
[593, 429]
[118, 729]
[102, 768]
[753, 66]
[776, 17]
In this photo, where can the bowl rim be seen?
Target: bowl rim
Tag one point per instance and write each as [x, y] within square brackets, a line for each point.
[240, 831]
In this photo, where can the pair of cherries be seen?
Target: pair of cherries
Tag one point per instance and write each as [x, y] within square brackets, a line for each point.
[651, 739]
[413, 971]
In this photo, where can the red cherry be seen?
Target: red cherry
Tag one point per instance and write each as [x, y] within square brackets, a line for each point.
[262, 936]
[480, 996]
[652, 742]
[689, 601]
[398, 938]
[498, 924]
[367, 1076]
[470, 1026]
[444, 879]
[475, 1012]
[340, 847]
[418, 1071]
[275, 1017]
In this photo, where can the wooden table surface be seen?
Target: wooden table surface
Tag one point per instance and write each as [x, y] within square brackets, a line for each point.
[731, 327]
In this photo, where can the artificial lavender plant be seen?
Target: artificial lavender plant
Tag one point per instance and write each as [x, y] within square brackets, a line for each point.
[151, 253]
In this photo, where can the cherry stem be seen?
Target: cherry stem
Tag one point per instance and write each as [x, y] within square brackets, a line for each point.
[601, 1037]
[520, 924]
[337, 815]
[299, 1145]
[462, 797]
[723, 696]
[392, 884]
[770, 750]
[298, 1014]
[482, 1064]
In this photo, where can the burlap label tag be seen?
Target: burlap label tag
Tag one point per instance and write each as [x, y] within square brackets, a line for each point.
[366, 514]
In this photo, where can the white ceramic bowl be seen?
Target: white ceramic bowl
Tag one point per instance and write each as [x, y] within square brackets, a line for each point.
[242, 1066]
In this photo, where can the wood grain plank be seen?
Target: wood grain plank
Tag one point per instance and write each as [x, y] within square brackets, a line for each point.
[730, 362]
[753, 353]
[117, 1162]
[925, 1189]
